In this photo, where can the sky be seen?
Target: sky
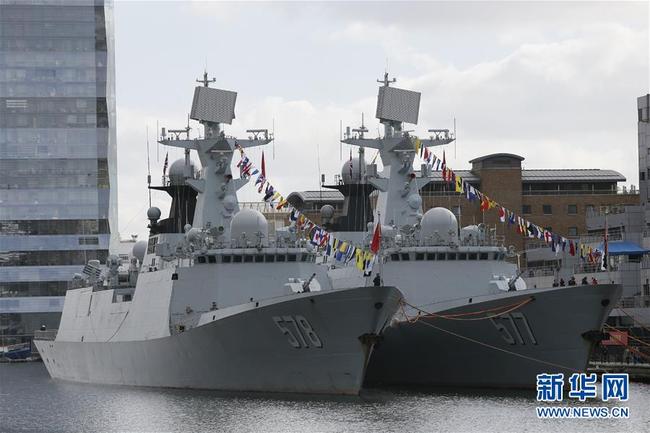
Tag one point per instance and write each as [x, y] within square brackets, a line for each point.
[554, 82]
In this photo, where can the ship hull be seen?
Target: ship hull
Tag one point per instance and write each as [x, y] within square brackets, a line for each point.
[250, 350]
[545, 331]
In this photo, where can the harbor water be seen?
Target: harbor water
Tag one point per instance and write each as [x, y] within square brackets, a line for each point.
[31, 401]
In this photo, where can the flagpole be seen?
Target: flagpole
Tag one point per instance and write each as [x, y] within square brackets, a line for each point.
[379, 253]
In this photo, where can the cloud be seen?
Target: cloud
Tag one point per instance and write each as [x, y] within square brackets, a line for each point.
[554, 82]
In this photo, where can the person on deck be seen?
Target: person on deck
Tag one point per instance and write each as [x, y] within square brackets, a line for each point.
[585, 281]
[377, 280]
[572, 281]
[594, 281]
[561, 282]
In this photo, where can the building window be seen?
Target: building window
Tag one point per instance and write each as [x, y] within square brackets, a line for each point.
[573, 231]
[525, 209]
[642, 175]
[547, 209]
[572, 209]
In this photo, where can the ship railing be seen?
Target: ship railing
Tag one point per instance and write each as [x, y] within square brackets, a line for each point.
[592, 268]
[627, 303]
[592, 239]
[539, 271]
[48, 334]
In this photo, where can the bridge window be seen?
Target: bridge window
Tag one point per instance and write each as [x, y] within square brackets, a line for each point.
[248, 259]
[419, 256]
[259, 258]
[394, 257]
[441, 256]
[473, 256]
[212, 259]
[451, 256]
[200, 259]
[405, 256]
[291, 257]
[282, 258]
[483, 256]
[236, 259]
[225, 259]
[270, 258]
[462, 256]
[431, 256]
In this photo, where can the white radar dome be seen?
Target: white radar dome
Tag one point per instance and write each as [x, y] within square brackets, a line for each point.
[439, 226]
[139, 250]
[251, 225]
[355, 176]
[177, 172]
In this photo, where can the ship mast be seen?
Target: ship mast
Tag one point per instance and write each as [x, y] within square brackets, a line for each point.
[399, 201]
[216, 187]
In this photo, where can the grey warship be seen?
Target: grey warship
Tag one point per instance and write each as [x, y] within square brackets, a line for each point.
[212, 301]
[468, 319]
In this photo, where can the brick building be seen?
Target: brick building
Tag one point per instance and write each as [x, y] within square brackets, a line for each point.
[556, 199]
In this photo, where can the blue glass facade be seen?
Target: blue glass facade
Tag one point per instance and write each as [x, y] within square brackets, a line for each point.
[58, 174]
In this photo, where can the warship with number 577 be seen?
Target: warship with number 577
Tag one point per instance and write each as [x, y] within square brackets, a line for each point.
[212, 301]
[468, 319]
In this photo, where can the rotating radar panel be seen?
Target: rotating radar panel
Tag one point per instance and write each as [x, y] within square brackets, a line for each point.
[398, 105]
[213, 105]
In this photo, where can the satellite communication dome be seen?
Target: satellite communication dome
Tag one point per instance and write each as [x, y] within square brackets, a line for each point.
[439, 226]
[139, 249]
[327, 212]
[251, 224]
[153, 214]
[177, 172]
[356, 172]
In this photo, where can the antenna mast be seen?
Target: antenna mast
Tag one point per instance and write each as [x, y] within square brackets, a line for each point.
[455, 141]
[148, 167]
[205, 81]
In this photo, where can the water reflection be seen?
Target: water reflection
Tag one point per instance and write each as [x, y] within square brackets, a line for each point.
[32, 401]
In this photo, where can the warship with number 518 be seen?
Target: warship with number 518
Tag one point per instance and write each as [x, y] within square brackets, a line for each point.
[212, 301]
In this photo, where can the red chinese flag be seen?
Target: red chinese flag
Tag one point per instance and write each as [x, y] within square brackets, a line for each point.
[376, 239]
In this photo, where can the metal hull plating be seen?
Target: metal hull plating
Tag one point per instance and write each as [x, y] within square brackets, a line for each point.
[244, 351]
[544, 335]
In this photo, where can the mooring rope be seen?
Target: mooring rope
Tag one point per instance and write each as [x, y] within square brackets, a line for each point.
[530, 358]
[508, 308]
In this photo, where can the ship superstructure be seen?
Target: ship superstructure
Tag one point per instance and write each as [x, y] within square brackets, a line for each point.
[467, 319]
[218, 303]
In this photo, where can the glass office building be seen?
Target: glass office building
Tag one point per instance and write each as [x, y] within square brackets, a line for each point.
[58, 174]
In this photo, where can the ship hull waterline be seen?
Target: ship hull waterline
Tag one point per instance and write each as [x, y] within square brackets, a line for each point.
[548, 333]
[247, 351]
